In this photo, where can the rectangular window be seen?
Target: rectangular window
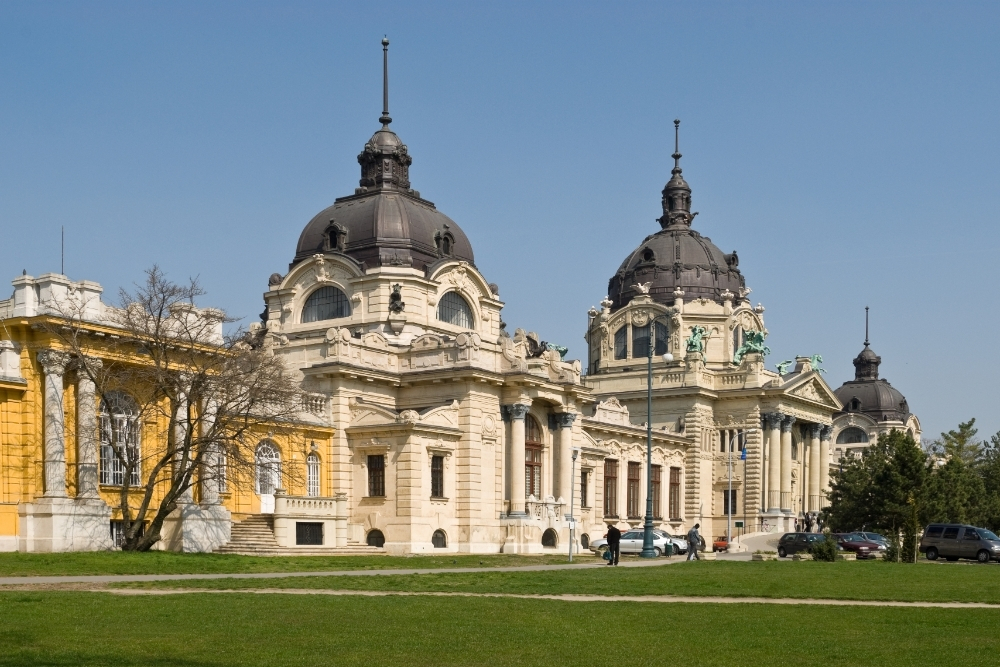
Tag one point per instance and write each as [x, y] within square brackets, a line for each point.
[735, 440]
[675, 493]
[729, 502]
[640, 342]
[634, 474]
[611, 488]
[376, 475]
[437, 477]
[583, 488]
[309, 532]
[935, 531]
[621, 343]
[657, 473]
[533, 472]
[951, 532]
[661, 335]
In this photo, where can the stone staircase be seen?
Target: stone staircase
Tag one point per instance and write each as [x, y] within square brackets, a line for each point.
[254, 536]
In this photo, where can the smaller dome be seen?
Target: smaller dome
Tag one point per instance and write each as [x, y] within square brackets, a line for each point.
[869, 395]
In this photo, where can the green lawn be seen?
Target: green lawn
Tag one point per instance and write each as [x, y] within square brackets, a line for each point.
[843, 580]
[165, 562]
[73, 629]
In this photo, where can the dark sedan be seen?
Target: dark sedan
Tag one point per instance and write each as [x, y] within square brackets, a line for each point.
[859, 546]
[793, 543]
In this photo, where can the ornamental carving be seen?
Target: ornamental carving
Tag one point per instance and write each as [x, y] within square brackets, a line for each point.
[640, 317]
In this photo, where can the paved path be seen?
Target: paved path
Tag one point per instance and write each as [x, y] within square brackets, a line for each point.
[574, 598]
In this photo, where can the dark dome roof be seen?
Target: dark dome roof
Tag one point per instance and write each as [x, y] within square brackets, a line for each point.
[876, 398]
[677, 256]
[385, 222]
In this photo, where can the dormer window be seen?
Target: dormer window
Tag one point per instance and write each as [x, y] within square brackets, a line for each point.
[648, 256]
[336, 237]
[444, 242]
[855, 404]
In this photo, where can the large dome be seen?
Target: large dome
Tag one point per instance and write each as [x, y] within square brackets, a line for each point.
[677, 257]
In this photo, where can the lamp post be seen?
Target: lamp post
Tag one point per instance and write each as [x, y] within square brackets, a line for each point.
[572, 495]
[647, 527]
[729, 499]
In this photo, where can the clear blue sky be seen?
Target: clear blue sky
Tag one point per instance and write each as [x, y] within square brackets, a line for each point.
[848, 151]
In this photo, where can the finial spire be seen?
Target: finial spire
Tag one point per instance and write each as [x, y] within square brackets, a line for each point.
[866, 326]
[385, 119]
[677, 151]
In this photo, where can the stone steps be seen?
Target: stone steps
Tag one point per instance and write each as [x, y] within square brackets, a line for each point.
[254, 536]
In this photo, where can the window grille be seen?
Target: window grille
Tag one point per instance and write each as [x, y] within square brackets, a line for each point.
[375, 538]
[309, 532]
[611, 488]
[439, 540]
[376, 475]
[312, 475]
[268, 468]
[117, 534]
[326, 303]
[437, 477]
[584, 499]
[661, 335]
[657, 474]
[621, 343]
[532, 457]
[675, 493]
[634, 475]
[119, 431]
[729, 502]
[453, 309]
[640, 342]
[221, 472]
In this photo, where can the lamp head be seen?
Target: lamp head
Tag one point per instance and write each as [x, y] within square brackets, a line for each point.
[668, 357]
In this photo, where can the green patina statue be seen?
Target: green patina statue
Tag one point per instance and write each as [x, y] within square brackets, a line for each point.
[561, 349]
[815, 361]
[753, 342]
[783, 366]
[696, 342]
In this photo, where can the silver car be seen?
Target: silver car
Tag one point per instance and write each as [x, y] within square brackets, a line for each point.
[631, 543]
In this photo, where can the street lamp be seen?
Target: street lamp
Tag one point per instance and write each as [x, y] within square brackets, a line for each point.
[729, 500]
[572, 494]
[647, 527]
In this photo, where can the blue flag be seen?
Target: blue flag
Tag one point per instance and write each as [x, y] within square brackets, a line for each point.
[743, 454]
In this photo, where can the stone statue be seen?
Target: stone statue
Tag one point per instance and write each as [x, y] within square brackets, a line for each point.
[696, 341]
[643, 288]
[396, 304]
[815, 361]
[784, 365]
[753, 342]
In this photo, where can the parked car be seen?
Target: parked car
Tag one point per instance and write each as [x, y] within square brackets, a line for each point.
[631, 543]
[862, 548]
[680, 544]
[720, 544]
[793, 543]
[954, 541]
[873, 537]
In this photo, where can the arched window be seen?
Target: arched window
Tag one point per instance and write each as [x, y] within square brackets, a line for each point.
[453, 309]
[640, 342]
[119, 419]
[585, 541]
[439, 539]
[326, 303]
[375, 538]
[532, 457]
[739, 337]
[621, 343]
[312, 475]
[268, 468]
[852, 435]
[550, 538]
[660, 338]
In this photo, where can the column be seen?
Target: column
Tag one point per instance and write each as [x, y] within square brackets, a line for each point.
[208, 476]
[814, 468]
[86, 425]
[517, 413]
[824, 464]
[565, 445]
[786, 463]
[774, 462]
[181, 426]
[54, 366]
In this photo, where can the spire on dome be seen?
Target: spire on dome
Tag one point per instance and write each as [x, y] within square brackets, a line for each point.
[677, 193]
[385, 161]
[866, 364]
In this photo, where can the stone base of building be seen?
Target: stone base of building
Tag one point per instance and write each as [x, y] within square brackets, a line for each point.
[51, 525]
[778, 521]
[196, 528]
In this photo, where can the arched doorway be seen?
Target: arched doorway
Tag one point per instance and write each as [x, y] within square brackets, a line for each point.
[439, 539]
[268, 475]
[550, 538]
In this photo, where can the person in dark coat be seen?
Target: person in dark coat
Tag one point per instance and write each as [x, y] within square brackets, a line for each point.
[694, 541]
[614, 537]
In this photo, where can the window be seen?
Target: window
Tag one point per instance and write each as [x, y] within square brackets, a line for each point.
[611, 488]
[950, 533]
[657, 474]
[221, 471]
[375, 538]
[437, 477]
[119, 424]
[621, 343]
[640, 342]
[326, 303]
[661, 335]
[376, 475]
[550, 538]
[729, 502]
[634, 474]
[852, 435]
[734, 439]
[675, 493]
[444, 243]
[585, 541]
[312, 475]
[532, 457]
[739, 338]
[970, 534]
[648, 256]
[584, 475]
[268, 468]
[118, 529]
[935, 531]
[453, 309]
[309, 532]
[439, 540]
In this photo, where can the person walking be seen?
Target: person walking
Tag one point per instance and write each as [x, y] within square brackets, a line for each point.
[694, 541]
[614, 538]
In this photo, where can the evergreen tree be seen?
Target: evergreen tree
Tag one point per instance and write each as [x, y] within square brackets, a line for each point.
[989, 472]
[957, 492]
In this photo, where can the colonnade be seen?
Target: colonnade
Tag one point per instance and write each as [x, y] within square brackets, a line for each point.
[562, 465]
[815, 481]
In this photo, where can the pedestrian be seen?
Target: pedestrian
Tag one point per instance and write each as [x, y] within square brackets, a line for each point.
[614, 538]
[694, 541]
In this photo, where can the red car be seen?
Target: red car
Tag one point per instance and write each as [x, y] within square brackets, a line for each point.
[858, 545]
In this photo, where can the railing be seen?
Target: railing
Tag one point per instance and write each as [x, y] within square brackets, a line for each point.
[544, 509]
[314, 403]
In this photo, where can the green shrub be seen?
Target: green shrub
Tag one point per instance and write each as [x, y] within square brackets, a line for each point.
[825, 549]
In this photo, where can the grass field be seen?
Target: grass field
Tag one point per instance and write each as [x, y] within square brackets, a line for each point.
[165, 562]
[56, 629]
[843, 580]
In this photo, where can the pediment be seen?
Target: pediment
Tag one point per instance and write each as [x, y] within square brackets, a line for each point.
[813, 388]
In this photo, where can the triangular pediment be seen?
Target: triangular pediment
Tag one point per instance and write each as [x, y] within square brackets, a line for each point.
[811, 387]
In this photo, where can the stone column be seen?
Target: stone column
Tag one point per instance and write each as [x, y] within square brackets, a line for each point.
[54, 366]
[565, 442]
[86, 425]
[814, 468]
[786, 463]
[824, 464]
[208, 476]
[181, 427]
[774, 461]
[517, 413]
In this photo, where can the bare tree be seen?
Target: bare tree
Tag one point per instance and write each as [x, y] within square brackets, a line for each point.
[165, 372]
